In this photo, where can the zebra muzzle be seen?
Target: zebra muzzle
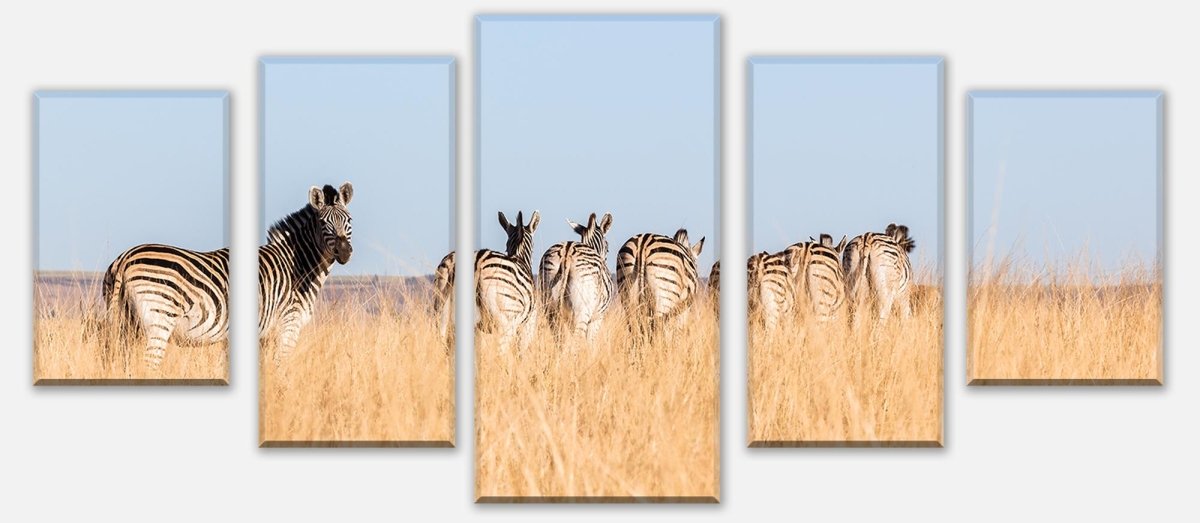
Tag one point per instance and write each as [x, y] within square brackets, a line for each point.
[342, 251]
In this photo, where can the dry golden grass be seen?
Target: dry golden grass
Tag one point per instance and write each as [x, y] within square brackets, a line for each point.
[620, 420]
[71, 337]
[370, 370]
[826, 384]
[1064, 327]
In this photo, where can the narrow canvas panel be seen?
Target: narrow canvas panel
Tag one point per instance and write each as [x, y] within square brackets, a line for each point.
[358, 162]
[1066, 235]
[597, 345]
[131, 265]
[844, 279]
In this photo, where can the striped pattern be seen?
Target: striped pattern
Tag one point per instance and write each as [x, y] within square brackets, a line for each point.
[504, 285]
[815, 270]
[295, 262]
[443, 298]
[770, 289]
[165, 292]
[879, 273]
[656, 277]
[714, 287]
[574, 279]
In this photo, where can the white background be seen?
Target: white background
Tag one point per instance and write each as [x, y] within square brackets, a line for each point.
[190, 453]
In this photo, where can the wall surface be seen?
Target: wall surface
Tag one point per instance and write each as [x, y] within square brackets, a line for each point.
[190, 454]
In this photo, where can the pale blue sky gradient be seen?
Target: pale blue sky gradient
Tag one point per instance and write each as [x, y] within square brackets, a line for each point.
[1054, 173]
[383, 124]
[845, 146]
[599, 114]
[116, 169]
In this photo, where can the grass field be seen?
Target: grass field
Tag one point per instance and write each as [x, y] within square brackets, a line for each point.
[826, 384]
[1069, 326]
[620, 420]
[72, 344]
[370, 370]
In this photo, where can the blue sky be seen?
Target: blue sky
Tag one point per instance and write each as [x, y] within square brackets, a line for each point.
[1055, 173]
[383, 124]
[116, 169]
[604, 114]
[845, 146]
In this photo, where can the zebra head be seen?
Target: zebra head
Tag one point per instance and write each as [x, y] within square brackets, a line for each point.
[593, 234]
[682, 239]
[520, 235]
[333, 220]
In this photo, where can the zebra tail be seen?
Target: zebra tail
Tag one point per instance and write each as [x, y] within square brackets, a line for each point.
[558, 286]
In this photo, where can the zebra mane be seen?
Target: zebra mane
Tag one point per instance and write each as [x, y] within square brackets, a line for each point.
[284, 229]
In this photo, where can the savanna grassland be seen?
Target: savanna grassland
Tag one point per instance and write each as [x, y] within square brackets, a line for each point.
[826, 384]
[1064, 325]
[369, 370]
[623, 419]
[73, 343]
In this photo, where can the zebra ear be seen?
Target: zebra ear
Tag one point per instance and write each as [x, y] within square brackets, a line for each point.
[699, 246]
[504, 221]
[534, 220]
[605, 223]
[579, 229]
[826, 240]
[346, 192]
[681, 237]
[841, 246]
[316, 197]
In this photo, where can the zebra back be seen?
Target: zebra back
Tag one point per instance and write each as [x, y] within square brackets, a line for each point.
[816, 273]
[504, 281]
[656, 275]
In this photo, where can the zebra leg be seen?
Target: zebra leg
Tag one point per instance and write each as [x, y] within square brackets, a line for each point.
[158, 329]
[289, 335]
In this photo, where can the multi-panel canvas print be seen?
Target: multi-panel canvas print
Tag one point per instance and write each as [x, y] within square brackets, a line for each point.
[1066, 238]
[844, 280]
[131, 265]
[358, 162]
[596, 341]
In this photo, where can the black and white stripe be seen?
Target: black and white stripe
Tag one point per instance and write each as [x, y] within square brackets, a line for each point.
[816, 274]
[656, 277]
[504, 285]
[165, 292]
[443, 298]
[879, 273]
[574, 279]
[295, 262]
[770, 289]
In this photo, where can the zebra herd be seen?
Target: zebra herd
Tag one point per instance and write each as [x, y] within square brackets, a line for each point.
[167, 292]
[656, 280]
[870, 275]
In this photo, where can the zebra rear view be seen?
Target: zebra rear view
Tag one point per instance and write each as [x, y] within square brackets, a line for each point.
[574, 278]
[878, 273]
[504, 285]
[656, 278]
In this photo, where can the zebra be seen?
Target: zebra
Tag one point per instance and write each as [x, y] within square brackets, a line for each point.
[656, 277]
[504, 285]
[878, 272]
[168, 292]
[164, 292]
[574, 277]
[443, 298]
[714, 287]
[815, 271]
[293, 265]
[770, 289]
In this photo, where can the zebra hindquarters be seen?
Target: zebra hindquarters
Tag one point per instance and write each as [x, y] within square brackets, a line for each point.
[443, 299]
[588, 292]
[826, 292]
